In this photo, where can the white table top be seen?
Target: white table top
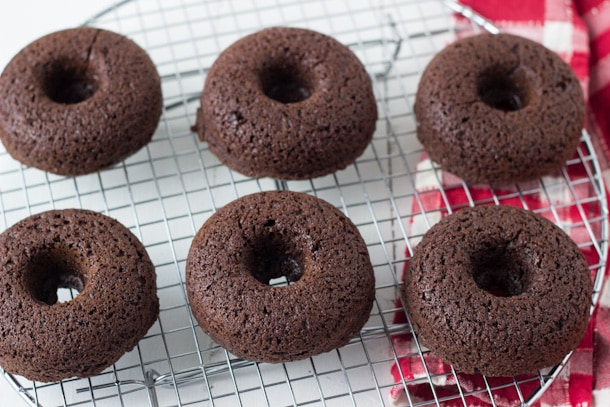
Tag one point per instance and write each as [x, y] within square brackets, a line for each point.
[23, 21]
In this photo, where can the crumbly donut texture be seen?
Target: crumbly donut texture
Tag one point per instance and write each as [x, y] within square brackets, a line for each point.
[498, 290]
[268, 235]
[287, 103]
[499, 109]
[45, 340]
[78, 100]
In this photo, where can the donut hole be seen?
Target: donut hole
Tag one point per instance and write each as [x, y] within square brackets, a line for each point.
[499, 272]
[54, 276]
[287, 83]
[275, 262]
[507, 91]
[69, 83]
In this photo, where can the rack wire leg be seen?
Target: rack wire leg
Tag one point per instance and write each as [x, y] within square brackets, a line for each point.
[150, 387]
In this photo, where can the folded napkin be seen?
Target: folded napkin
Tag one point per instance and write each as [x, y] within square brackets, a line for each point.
[579, 31]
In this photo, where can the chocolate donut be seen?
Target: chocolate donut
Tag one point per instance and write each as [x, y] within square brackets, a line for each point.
[45, 340]
[498, 290]
[265, 236]
[77, 101]
[499, 109]
[287, 103]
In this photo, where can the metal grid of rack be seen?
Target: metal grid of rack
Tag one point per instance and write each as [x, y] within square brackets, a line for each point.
[166, 191]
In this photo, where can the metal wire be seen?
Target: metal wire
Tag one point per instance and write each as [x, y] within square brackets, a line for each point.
[165, 192]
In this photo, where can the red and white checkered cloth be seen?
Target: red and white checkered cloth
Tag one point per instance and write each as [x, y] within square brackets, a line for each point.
[579, 31]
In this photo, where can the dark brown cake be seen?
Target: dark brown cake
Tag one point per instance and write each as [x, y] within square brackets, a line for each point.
[77, 101]
[499, 109]
[265, 236]
[287, 103]
[498, 290]
[45, 340]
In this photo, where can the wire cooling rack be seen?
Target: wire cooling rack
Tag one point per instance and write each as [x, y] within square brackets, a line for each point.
[166, 191]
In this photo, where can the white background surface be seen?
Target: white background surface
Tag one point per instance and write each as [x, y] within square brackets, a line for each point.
[21, 22]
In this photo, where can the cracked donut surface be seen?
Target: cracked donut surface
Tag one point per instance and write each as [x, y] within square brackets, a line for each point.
[79, 100]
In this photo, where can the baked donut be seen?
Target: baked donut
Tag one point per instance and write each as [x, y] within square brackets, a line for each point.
[499, 109]
[77, 101]
[287, 103]
[265, 236]
[498, 290]
[45, 340]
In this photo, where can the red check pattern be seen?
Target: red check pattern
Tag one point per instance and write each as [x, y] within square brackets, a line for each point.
[579, 31]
